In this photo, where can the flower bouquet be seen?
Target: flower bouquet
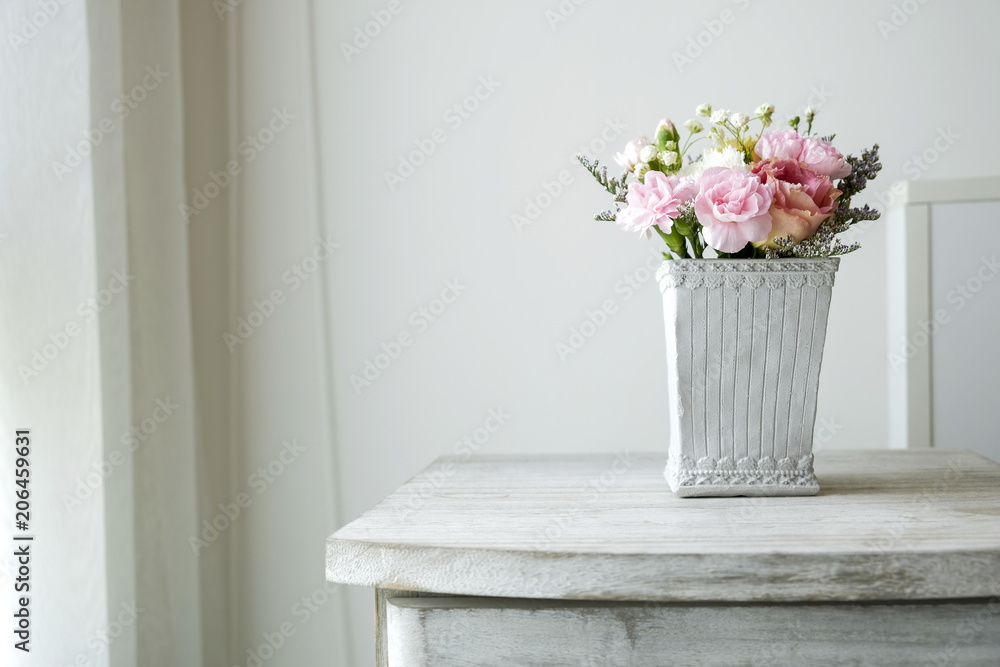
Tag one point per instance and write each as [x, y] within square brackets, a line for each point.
[751, 227]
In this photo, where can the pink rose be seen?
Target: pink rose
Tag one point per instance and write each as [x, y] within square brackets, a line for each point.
[823, 158]
[803, 199]
[654, 202]
[780, 144]
[733, 207]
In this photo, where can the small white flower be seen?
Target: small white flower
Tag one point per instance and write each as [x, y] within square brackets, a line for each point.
[765, 109]
[720, 115]
[810, 114]
[727, 157]
[739, 120]
[647, 154]
[703, 110]
[694, 127]
[629, 158]
[668, 158]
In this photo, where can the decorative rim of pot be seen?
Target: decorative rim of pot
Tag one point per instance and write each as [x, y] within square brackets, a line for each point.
[774, 273]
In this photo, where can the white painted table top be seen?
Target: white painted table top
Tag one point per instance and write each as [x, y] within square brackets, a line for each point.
[886, 525]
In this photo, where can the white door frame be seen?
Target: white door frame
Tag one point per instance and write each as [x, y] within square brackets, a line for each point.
[908, 272]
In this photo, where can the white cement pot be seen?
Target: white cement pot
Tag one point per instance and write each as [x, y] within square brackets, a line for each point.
[744, 347]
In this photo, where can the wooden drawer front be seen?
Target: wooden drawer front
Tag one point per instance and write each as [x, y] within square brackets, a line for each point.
[442, 632]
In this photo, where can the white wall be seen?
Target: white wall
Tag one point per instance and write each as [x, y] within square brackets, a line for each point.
[495, 346]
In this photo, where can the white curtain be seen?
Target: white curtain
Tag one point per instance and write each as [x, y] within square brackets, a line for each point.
[118, 315]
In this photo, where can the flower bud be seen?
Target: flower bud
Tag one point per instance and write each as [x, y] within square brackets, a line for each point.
[666, 124]
[765, 110]
[665, 132]
[704, 110]
[693, 126]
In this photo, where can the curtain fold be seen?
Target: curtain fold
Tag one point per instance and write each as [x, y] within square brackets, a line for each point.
[124, 344]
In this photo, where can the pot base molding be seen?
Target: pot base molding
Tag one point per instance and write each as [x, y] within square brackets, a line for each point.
[746, 477]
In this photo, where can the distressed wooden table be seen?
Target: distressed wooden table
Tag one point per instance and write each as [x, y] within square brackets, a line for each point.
[590, 560]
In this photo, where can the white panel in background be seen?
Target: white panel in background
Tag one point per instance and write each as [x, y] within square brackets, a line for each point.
[965, 297]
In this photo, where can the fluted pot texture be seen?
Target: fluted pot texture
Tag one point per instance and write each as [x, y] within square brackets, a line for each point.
[744, 348]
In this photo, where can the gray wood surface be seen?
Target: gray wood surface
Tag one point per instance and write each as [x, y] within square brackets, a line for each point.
[887, 525]
[460, 632]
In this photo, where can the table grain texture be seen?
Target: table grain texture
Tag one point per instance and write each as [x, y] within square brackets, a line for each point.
[902, 544]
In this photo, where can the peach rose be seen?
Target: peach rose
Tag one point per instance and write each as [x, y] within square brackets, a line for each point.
[803, 199]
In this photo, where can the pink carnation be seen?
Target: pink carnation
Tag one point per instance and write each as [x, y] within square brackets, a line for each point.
[733, 207]
[823, 158]
[780, 144]
[815, 153]
[654, 202]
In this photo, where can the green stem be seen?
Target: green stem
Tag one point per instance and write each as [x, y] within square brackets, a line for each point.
[674, 241]
[696, 244]
[691, 141]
